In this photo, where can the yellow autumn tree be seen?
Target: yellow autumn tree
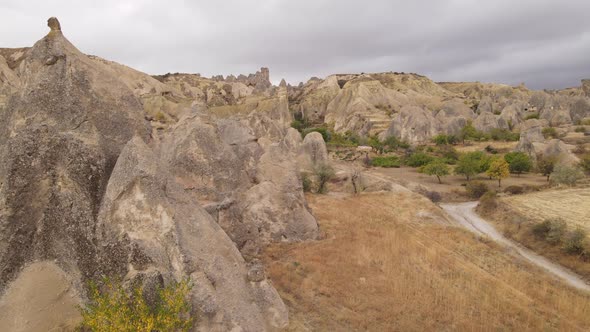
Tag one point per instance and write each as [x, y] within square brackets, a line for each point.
[499, 169]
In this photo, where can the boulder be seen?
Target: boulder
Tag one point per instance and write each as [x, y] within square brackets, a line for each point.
[532, 130]
[486, 122]
[580, 109]
[557, 149]
[315, 148]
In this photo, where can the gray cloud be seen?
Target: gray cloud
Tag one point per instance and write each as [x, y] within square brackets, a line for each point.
[544, 43]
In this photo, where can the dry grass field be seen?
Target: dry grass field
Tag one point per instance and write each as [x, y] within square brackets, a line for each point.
[571, 205]
[516, 215]
[390, 263]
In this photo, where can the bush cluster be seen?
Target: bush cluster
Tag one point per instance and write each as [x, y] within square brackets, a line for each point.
[476, 189]
[113, 308]
[555, 232]
[386, 161]
[566, 175]
[550, 132]
[418, 159]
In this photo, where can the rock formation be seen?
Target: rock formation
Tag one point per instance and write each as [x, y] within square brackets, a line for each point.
[90, 189]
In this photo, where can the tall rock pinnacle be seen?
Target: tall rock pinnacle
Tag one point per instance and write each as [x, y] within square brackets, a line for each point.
[53, 24]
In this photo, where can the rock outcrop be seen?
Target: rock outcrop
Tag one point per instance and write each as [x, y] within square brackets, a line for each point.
[164, 234]
[64, 131]
[82, 190]
[249, 182]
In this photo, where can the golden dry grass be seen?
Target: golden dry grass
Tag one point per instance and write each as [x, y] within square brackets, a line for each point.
[385, 267]
[571, 205]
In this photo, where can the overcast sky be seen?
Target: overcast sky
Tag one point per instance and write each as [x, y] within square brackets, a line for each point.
[544, 43]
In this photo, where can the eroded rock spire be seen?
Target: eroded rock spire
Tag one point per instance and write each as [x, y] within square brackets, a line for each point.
[53, 24]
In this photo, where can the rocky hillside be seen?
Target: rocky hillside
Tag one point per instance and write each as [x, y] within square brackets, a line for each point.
[107, 171]
[414, 108]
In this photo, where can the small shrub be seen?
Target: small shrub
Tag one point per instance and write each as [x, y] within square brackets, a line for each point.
[585, 163]
[434, 196]
[306, 182]
[160, 117]
[476, 189]
[556, 231]
[532, 116]
[566, 175]
[393, 143]
[514, 190]
[112, 308]
[550, 132]
[387, 162]
[418, 159]
[491, 149]
[580, 129]
[347, 139]
[323, 173]
[488, 202]
[574, 242]
[541, 229]
[356, 181]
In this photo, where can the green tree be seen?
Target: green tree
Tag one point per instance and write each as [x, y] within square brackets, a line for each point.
[499, 169]
[323, 173]
[567, 175]
[472, 163]
[468, 132]
[437, 168]
[518, 162]
[546, 165]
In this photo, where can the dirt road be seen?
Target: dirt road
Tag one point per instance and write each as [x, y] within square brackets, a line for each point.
[465, 215]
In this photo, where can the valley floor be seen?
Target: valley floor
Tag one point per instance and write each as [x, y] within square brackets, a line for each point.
[391, 261]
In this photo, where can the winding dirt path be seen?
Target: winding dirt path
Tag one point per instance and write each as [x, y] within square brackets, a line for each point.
[464, 214]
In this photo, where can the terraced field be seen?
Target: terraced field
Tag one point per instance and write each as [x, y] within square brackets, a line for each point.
[571, 205]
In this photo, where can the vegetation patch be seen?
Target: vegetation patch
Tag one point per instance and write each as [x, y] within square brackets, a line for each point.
[112, 308]
[386, 161]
